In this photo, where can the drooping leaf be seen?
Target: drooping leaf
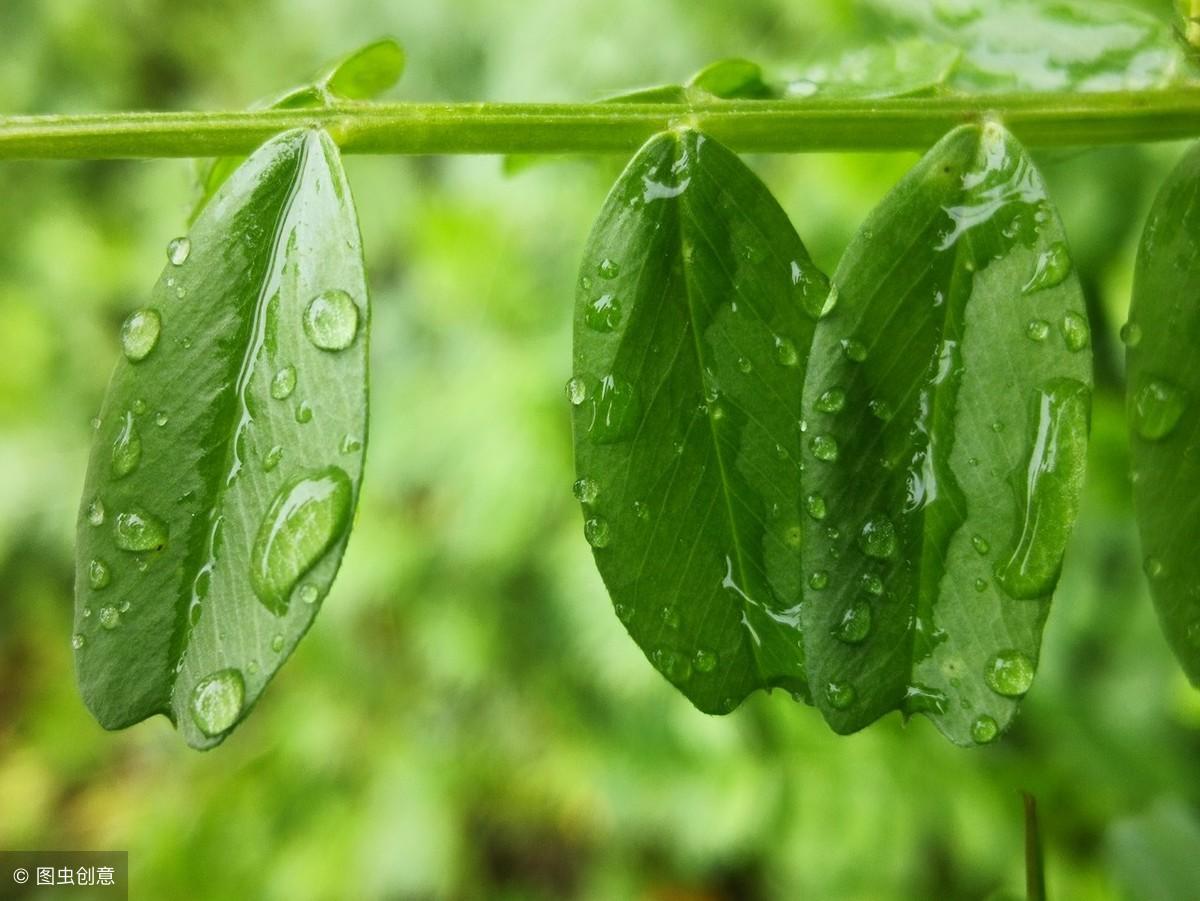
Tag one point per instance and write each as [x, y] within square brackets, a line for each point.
[229, 451]
[1032, 45]
[892, 69]
[947, 405]
[691, 336]
[1163, 377]
[361, 75]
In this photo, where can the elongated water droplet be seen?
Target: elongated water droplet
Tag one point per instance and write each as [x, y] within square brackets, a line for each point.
[585, 490]
[616, 410]
[306, 518]
[138, 406]
[77, 641]
[840, 695]
[1157, 407]
[284, 383]
[824, 447]
[785, 351]
[304, 412]
[815, 505]
[1053, 482]
[136, 531]
[877, 538]
[277, 643]
[855, 623]
[331, 320]
[984, 729]
[597, 532]
[139, 334]
[831, 401]
[576, 391]
[127, 448]
[1053, 265]
[217, 701]
[1075, 331]
[99, 574]
[1153, 567]
[272, 457]
[178, 250]
[603, 314]
[350, 444]
[980, 544]
[1009, 673]
[95, 512]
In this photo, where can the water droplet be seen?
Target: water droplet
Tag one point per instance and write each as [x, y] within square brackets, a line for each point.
[877, 538]
[824, 447]
[981, 585]
[161, 418]
[608, 268]
[95, 512]
[856, 351]
[624, 612]
[1075, 331]
[984, 730]
[1053, 482]
[785, 351]
[304, 412]
[576, 391]
[1157, 407]
[138, 406]
[1153, 567]
[872, 584]
[99, 574]
[585, 490]
[1009, 673]
[818, 299]
[277, 643]
[109, 617]
[1037, 329]
[603, 314]
[670, 617]
[217, 701]
[138, 530]
[178, 250]
[819, 580]
[840, 695]
[880, 409]
[832, 401]
[127, 448]
[597, 532]
[1053, 265]
[331, 320]
[855, 623]
[284, 383]
[672, 664]
[704, 661]
[77, 641]
[139, 334]
[616, 410]
[923, 699]
[745, 365]
[309, 594]
[1131, 334]
[306, 518]
[272, 457]
[350, 444]
[641, 511]
[980, 544]
[815, 505]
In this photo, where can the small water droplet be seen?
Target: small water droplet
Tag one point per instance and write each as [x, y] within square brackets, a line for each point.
[877, 538]
[1053, 265]
[815, 505]
[138, 406]
[178, 250]
[984, 729]
[77, 641]
[785, 351]
[217, 701]
[981, 585]
[331, 320]
[137, 530]
[880, 409]
[855, 623]
[641, 511]
[872, 584]
[99, 574]
[831, 401]
[1157, 408]
[1037, 329]
[161, 418]
[603, 314]
[139, 334]
[856, 351]
[670, 617]
[284, 383]
[997, 426]
[819, 580]
[840, 695]
[277, 643]
[1153, 567]
[704, 661]
[95, 512]
[597, 532]
[745, 365]
[126, 449]
[576, 391]
[673, 665]
[109, 617]
[585, 490]
[980, 544]
[624, 612]
[824, 447]
[272, 457]
[304, 412]
[1075, 331]
[309, 594]
[1009, 673]
[1131, 334]
[608, 268]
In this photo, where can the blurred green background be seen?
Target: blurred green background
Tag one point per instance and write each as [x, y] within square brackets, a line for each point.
[468, 719]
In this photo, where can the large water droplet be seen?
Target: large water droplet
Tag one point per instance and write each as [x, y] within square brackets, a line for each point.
[217, 701]
[109, 617]
[984, 729]
[1157, 407]
[603, 314]
[840, 695]
[877, 538]
[139, 334]
[306, 518]
[283, 383]
[178, 250]
[824, 447]
[136, 530]
[1053, 265]
[855, 623]
[597, 532]
[99, 574]
[1075, 331]
[585, 490]
[331, 320]
[1009, 673]
[1053, 483]
[831, 401]
[127, 448]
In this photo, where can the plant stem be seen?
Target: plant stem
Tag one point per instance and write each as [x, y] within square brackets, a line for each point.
[814, 124]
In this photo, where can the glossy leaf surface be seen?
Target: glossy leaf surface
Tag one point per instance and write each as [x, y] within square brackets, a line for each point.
[947, 405]
[892, 69]
[229, 450]
[695, 309]
[1163, 377]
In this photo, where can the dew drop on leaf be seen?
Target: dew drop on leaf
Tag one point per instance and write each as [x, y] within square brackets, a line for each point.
[980, 544]
[139, 334]
[161, 418]
[1153, 567]
[984, 729]
[95, 512]
[77, 641]
[1053, 265]
[856, 351]
[872, 584]
[616, 410]
[855, 624]
[825, 448]
[585, 490]
[309, 594]
[1157, 406]
[819, 580]
[840, 695]
[785, 351]
[815, 505]
[331, 320]
[603, 314]
[1037, 329]
[99, 574]
[608, 268]
[597, 532]
[127, 448]
[831, 401]
[576, 391]
[1009, 673]
[1075, 331]
[277, 643]
[272, 457]
[704, 661]
[877, 538]
[136, 530]
[304, 412]
[1131, 334]
[109, 617]
[178, 250]
[283, 383]
[217, 701]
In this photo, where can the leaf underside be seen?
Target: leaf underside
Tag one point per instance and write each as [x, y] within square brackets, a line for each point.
[1163, 371]
[946, 404]
[690, 344]
[229, 451]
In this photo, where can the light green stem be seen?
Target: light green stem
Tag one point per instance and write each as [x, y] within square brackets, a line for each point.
[816, 124]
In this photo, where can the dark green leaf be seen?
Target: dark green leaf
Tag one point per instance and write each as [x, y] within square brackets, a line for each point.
[229, 450]
[1163, 370]
[947, 405]
[893, 69]
[691, 336]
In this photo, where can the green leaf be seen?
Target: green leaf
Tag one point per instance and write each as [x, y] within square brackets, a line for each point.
[229, 451]
[893, 69]
[361, 75]
[691, 336]
[731, 79]
[947, 405]
[1163, 372]
[1155, 856]
[1033, 45]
